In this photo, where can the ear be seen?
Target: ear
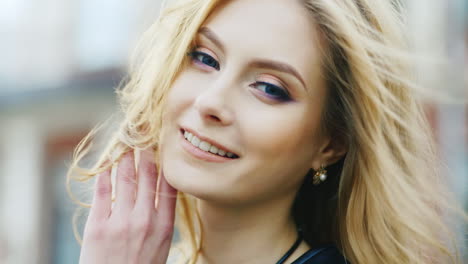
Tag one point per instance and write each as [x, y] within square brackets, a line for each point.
[329, 152]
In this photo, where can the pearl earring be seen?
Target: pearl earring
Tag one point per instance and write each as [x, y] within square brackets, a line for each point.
[319, 176]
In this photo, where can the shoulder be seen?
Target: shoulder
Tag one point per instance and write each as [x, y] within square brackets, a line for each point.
[326, 254]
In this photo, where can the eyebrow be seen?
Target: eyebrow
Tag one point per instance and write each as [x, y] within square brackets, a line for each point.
[257, 63]
[278, 66]
[209, 34]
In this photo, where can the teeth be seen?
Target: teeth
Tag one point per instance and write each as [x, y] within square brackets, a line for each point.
[195, 141]
[214, 150]
[205, 146]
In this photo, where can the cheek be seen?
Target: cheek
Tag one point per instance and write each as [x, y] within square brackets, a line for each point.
[280, 147]
[178, 98]
[290, 131]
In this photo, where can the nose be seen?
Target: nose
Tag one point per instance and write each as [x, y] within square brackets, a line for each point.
[213, 104]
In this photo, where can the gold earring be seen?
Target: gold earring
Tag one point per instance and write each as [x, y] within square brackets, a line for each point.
[319, 176]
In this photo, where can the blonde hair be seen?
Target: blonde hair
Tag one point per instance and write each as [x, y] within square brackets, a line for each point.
[386, 202]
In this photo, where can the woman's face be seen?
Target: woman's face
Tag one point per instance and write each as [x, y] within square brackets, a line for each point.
[252, 93]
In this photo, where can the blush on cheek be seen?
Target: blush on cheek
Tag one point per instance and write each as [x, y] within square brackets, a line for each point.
[282, 136]
[273, 136]
[185, 89]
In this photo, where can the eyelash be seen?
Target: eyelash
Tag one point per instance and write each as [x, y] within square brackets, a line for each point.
[281, 93]
[194, 55]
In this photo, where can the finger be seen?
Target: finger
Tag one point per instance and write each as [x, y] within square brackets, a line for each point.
[147, 178]
[125, 183]
[166, 201]
[102, 199]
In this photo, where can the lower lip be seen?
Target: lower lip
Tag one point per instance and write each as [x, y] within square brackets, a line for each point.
[200, 154]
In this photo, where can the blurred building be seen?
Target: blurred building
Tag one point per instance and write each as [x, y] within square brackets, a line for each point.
[61, 61]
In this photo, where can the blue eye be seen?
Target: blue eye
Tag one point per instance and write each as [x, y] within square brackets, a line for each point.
[204, 58]
[272, 91]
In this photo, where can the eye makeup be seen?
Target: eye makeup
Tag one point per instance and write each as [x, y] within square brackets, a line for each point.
[204, 58]
[272, 91]
[269, 90]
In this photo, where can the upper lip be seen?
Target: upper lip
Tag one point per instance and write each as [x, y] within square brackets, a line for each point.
[211, 141]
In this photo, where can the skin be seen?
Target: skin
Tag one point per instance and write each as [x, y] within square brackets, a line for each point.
[277, 141]
[245, 202]
[131, 230]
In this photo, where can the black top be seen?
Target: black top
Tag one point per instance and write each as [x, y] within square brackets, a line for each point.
[323, 254]
[327, 254]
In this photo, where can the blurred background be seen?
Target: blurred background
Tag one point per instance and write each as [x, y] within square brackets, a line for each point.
[60, 61]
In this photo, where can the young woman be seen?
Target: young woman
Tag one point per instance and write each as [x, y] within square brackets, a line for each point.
[288, 130]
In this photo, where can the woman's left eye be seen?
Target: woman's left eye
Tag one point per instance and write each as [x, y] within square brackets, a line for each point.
[272, 91]
[204, 58]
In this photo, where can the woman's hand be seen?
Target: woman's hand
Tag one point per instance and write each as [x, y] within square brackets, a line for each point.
[133, 230]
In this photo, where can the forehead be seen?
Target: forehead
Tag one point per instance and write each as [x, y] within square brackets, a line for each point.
[275, 29]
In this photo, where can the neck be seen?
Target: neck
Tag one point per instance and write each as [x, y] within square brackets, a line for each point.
[255, 233]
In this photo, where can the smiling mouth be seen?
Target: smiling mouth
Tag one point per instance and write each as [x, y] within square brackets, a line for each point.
[206, 146]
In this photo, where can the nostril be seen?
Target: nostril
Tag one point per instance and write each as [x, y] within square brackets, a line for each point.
[215, 118]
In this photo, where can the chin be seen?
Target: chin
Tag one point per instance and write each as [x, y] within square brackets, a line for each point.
[205, 181]
[191, 180]
[205, 186]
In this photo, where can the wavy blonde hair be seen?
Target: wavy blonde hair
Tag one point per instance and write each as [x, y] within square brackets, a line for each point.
[387, 202]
